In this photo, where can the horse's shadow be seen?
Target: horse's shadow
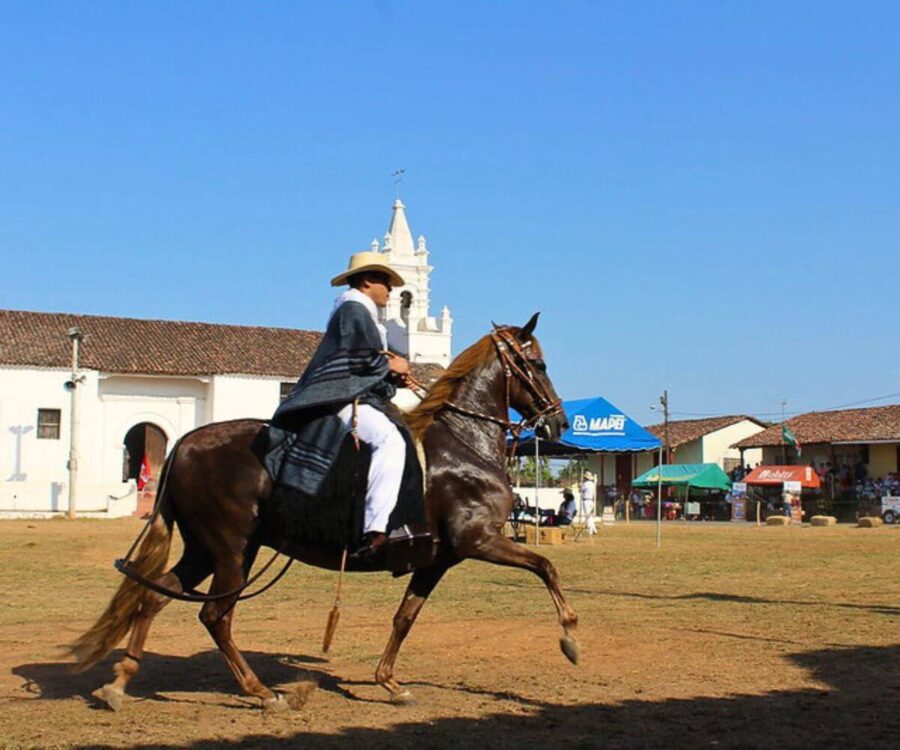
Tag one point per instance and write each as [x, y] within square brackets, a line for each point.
[203, 672]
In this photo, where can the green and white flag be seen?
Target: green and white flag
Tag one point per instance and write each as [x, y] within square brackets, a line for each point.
[790, 438]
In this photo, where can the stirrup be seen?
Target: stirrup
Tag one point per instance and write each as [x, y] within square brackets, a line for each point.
[409, 548]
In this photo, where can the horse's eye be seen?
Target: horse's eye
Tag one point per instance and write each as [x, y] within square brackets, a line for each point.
[540, 365]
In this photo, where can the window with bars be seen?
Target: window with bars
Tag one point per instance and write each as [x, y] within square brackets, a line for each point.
[48, 421]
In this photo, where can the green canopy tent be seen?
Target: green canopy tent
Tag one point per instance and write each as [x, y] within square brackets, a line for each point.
[689, 476]
[699, 476]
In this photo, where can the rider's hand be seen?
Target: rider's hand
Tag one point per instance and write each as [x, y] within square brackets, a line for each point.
[397, 364]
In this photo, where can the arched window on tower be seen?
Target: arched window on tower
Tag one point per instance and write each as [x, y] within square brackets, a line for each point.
[405, 304]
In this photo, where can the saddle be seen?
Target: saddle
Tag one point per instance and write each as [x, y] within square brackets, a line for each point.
[333, 517]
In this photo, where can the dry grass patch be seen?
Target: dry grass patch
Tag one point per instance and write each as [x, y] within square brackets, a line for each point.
[730, 633]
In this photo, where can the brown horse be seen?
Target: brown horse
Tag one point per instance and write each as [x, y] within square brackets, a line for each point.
[215, 489]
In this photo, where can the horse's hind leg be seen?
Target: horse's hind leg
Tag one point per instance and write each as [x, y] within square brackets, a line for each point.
[189, 571]
[502, 551]
[420, 586]
[216, 616]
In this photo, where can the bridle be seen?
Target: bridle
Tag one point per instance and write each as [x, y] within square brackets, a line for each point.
[516, 364]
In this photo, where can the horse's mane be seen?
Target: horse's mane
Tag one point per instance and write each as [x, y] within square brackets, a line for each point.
[419, 419]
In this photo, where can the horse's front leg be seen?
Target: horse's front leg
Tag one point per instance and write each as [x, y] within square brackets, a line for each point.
[420, 586]
[496, 548]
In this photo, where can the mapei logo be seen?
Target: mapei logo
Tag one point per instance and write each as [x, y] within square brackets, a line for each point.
[613, 424]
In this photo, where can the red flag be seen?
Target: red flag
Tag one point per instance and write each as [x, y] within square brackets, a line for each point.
[144, 476]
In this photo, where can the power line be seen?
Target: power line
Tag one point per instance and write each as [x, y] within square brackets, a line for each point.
[788, 413]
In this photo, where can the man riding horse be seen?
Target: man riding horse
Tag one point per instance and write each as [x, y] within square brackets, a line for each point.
[346, 387]
[227, 505]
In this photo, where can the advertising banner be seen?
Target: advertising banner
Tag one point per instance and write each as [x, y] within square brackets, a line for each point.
[739, 501]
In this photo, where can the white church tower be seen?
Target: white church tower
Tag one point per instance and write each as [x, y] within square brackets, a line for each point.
[411, 331]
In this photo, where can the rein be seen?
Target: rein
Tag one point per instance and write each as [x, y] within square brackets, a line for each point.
[516, 363]
[125, 566]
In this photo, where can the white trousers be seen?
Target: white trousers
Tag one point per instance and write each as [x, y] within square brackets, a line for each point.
[386, 468]
[587, 511]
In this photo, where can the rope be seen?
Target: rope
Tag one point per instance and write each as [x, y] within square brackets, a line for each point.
[125, 567]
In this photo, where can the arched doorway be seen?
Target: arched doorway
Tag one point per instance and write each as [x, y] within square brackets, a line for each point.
[144, 439]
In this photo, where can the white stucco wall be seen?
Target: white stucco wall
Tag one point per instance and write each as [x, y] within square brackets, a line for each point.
[29, 467]
[175, 405]
[428, 346]
[33, 471]
[690, 453]
[242, 396]
[716, 444]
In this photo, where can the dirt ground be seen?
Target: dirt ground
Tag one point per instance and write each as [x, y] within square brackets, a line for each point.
[727, 636]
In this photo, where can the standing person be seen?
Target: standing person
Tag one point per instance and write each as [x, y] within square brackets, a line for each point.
[788, 505]
[349, 379]
[635, 500]
[587, 503]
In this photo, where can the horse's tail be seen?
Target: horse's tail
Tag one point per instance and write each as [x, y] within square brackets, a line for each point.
[115, 622]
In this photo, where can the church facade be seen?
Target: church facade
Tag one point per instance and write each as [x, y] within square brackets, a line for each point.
[142, 384]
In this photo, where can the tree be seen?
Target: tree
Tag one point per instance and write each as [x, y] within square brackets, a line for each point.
[570, 471]
[528, 473]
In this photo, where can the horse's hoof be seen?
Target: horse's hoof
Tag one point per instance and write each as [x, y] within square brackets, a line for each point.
[275, 705]
[570, 648]
[299, 694]
[403, 698]
[112, 696]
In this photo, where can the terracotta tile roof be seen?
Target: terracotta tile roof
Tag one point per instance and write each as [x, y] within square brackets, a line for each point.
[161, 347]
[846, 425]
[156, 347]
[683, 431]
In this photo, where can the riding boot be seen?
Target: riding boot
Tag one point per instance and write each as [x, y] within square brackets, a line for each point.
[373, 541]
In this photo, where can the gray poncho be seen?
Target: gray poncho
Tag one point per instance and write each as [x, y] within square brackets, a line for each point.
[305, 434]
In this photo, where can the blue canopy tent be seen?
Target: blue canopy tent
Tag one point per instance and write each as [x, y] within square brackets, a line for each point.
[595, 426]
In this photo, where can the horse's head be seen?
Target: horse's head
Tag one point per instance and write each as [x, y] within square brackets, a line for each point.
[530, 391]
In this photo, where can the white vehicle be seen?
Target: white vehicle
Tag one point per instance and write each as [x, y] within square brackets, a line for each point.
[890, 508]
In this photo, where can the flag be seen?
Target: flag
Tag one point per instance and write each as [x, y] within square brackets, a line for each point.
[790, 438]
[144, 476]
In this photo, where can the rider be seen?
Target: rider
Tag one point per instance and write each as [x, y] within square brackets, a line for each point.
[352, 371]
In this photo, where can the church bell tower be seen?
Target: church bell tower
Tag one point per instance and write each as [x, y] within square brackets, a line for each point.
[411, 330]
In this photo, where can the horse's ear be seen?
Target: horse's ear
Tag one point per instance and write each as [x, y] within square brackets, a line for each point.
[529, 327]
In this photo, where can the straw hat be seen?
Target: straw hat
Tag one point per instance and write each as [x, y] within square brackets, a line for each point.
[367, 261]
[588, 475]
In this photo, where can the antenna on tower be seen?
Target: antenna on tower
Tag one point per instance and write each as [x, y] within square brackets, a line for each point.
[398, 178]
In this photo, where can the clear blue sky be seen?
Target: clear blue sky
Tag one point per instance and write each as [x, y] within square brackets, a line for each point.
[698, 196]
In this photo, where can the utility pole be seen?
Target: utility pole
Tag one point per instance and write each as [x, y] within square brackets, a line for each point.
[783, 444]
[664, 401]
[76, 337]
[663, 458]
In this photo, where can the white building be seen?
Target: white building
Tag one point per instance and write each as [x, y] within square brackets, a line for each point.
[148, 382]
[709, 441]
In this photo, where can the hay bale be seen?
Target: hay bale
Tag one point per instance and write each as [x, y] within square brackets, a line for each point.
[870, 522]
[822, 521]
[777, 521]
[548, 535]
